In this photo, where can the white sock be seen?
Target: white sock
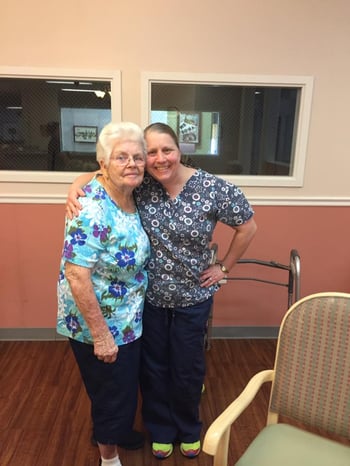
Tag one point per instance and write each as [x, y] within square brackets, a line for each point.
[111, 462]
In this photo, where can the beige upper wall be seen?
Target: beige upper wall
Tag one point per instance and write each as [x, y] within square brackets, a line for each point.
[274, 37]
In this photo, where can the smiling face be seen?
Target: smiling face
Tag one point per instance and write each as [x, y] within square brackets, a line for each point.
[126, 166]
[163, 157]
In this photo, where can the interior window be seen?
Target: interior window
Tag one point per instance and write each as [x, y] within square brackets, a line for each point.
[51, 124]
[255, 130]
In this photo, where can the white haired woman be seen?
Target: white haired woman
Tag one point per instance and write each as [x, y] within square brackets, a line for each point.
[102, 285]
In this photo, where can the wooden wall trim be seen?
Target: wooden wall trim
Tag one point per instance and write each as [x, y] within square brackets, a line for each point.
[21, 198]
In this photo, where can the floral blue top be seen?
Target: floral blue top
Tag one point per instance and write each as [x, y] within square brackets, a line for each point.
[180, 231]
[113, 244]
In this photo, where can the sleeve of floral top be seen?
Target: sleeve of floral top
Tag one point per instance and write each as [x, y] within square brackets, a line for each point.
[86, 235]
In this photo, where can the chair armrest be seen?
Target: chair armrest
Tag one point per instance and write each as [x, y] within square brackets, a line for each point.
[218, 432]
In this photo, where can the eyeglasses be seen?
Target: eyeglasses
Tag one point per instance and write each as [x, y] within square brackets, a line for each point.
[123, 160]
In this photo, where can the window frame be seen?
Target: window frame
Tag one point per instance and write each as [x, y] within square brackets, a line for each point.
[114, 76]
[305, 83]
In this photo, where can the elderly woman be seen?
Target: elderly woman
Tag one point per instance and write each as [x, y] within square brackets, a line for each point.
[102, 286]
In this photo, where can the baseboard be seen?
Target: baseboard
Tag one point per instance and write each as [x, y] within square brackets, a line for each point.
[40, 334]
[244, 332]
[30, 334]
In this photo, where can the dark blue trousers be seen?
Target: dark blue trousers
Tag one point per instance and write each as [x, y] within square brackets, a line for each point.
[112, 389]
[172, 371]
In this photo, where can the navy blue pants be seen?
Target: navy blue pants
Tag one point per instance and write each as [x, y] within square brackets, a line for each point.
[172, 371]
[112, 389]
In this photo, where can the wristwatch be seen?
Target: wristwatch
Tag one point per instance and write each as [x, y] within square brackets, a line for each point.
[223, 268]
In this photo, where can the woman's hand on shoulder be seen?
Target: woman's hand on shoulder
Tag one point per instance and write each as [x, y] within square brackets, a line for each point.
[73, 205]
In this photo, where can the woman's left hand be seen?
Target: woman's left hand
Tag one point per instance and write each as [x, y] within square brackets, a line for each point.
[105, 348]
[212, 275]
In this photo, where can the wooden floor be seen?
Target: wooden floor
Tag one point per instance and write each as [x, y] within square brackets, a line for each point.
[45, 413]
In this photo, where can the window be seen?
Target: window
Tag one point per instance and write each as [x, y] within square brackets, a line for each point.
[254, 127]
[50, 121]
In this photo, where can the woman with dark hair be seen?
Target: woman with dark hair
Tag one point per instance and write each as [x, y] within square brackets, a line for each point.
[54, 146]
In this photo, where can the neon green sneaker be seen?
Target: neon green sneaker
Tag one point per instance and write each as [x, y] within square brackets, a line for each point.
[162, 450]
[190, 450]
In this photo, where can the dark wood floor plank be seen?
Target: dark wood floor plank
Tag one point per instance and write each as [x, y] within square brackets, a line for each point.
[45, 412]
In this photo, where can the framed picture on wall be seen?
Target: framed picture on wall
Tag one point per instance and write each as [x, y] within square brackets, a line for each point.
[85, 134]
[189, 127]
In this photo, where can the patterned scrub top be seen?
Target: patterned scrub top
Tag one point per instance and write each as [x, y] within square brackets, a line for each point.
[113, 244]
[180, 231]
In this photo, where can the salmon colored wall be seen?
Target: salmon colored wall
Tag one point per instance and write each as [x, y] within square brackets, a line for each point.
[320, 234]
[31, 240]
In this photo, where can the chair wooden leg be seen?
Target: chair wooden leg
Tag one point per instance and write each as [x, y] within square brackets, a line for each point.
[221, 457]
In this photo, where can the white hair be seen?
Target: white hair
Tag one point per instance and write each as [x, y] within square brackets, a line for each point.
[113, 132]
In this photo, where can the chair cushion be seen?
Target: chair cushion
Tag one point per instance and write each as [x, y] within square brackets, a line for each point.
[285, 445]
